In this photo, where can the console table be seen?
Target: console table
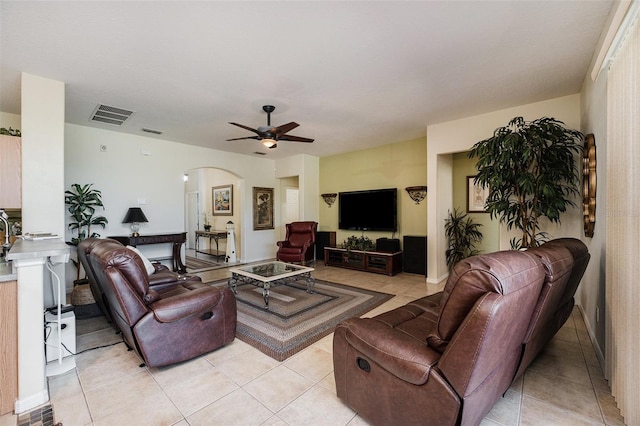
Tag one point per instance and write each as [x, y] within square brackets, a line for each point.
[176, 239]
[369, 261]
[212, 235]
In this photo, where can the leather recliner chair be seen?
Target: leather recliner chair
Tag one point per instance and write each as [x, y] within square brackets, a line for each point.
[165, 324]
[162, 276]
[299, 242]
[410, 366]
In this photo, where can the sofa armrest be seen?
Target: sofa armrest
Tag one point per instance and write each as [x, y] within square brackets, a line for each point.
[183, 305]
[399, 354]
[283, 244]
[159, 267]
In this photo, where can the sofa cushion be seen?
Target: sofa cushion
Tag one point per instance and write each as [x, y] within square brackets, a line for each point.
[148, 266]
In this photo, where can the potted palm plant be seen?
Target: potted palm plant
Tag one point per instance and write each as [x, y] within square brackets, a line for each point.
[462, 236]
[83, 201]
[530, 170]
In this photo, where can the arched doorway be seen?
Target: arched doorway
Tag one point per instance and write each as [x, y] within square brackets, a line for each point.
[199, 186]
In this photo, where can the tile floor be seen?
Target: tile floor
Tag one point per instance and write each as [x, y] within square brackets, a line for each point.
[238, 385]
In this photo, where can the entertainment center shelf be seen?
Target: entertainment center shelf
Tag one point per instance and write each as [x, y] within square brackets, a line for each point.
[369, 261]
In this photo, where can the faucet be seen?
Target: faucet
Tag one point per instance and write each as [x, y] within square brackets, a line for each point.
[7, 245]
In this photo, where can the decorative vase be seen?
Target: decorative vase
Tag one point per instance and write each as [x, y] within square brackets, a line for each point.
[207, 227]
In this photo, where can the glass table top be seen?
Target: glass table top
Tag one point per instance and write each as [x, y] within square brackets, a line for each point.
[271, 270]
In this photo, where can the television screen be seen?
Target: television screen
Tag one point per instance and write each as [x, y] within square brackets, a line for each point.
[373, 210]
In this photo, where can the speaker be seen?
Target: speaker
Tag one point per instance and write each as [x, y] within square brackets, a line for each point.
[391, 245]
[414, 255]
[324, 239]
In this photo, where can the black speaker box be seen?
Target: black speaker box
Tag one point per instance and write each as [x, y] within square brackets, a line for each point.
[414, 255]
[324, 239]
[391, 245]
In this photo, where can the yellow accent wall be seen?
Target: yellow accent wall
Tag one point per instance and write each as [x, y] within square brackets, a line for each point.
[396, 165]
[464, 166]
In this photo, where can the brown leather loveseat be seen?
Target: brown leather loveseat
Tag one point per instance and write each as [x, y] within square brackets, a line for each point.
[446, 359]
[168, 323]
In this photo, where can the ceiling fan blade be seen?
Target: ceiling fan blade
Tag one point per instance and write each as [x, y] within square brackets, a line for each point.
[281, 130]
[273, 146]
[246, 127]
[247, 137]
[294, 138]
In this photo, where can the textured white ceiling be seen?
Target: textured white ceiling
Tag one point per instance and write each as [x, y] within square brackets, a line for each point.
[352, 74]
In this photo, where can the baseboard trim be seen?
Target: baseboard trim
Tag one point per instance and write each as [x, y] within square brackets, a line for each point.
[594, 341]
[31, 402]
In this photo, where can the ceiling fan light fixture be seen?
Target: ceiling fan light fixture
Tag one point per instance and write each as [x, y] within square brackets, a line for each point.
[268, 142]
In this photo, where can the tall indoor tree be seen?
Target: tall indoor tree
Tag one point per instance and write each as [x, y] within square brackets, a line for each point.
[531, 172]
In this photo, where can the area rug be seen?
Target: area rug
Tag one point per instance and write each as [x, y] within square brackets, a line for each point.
[295, 318]
[195, 264]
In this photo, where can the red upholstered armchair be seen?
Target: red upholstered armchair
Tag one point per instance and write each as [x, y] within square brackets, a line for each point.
[298, 246]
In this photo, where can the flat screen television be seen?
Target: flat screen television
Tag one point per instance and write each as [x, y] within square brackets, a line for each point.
[372, 210]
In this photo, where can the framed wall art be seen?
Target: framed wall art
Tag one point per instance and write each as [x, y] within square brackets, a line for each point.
[222, 197]
[262, 208]
[476, 196]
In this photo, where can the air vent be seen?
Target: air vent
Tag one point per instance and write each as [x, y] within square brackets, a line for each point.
[155, 132]
[110, 115]
[259, 153]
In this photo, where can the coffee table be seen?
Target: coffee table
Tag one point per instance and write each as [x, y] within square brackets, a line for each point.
[270, 274]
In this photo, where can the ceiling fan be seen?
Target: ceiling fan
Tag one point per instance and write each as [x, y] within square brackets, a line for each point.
[270, 135]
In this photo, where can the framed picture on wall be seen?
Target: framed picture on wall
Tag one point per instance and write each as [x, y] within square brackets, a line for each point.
[476, 196]
[262, 208]
[222, 199]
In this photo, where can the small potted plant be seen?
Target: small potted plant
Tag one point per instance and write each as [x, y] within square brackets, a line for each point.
[207, 223]
[358, 243]
[462, 235]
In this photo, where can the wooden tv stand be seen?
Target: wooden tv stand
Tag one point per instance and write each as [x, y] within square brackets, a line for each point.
[370, 261]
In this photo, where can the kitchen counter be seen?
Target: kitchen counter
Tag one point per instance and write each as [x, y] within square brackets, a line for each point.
[29, 259]
[26, 249]
[6, 272]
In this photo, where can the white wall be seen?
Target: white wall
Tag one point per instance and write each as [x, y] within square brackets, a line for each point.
[125, 176]
[307, 168]
[460, 135]
[42, 154]
[10, 120]
[591, 293]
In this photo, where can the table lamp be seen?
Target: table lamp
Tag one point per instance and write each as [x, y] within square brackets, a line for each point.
[134, 216]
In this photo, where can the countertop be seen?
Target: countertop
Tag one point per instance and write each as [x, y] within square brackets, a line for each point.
[6, 272]
[22, 250]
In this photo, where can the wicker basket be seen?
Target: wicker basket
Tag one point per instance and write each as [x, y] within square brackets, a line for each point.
[81, 295]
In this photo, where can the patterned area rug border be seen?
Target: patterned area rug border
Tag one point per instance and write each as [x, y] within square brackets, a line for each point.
[297, 319]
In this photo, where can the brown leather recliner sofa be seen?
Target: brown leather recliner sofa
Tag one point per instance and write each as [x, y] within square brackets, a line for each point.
[168, 323]
[162, 276]
[446, 359]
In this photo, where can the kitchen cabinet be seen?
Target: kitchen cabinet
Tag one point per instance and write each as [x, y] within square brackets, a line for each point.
[10, 172]
[8, 345]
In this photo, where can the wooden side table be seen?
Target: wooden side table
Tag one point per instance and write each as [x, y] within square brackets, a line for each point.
[176, 239]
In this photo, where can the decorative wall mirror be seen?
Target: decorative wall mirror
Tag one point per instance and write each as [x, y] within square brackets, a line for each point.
[589, 184]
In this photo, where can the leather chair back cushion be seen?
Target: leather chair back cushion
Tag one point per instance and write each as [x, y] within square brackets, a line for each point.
[298, 240]
[558, 264]
[502, 273]
[298, 233]
[125, 280]
[581, 256]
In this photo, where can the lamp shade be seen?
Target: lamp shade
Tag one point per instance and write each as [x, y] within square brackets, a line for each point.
[134, 215]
